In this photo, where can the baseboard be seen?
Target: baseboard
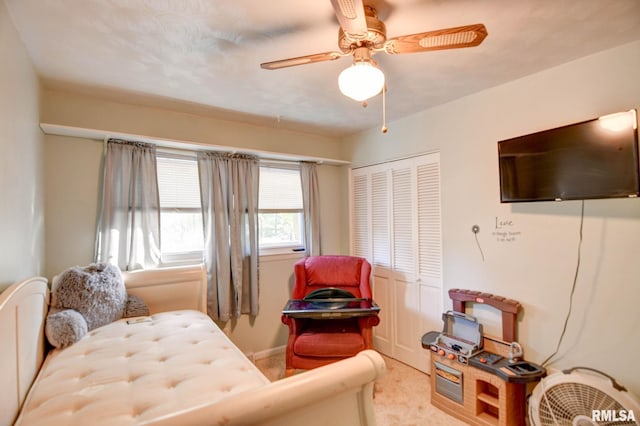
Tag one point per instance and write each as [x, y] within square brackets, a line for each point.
[278, 350]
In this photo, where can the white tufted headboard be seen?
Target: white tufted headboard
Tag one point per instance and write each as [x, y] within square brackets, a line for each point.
[23, 309]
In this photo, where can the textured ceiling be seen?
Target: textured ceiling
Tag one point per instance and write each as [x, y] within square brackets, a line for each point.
[203, 56]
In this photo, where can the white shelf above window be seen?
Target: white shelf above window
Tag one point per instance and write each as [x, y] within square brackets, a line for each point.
[101, 135]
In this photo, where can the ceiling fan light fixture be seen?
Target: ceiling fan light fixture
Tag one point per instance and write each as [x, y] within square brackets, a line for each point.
[361, 81]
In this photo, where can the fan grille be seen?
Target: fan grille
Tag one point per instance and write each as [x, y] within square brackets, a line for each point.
[448, 39]
[347, 8]
[563, 403]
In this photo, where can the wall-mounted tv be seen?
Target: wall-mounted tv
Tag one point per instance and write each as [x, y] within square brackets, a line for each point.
[593, 159]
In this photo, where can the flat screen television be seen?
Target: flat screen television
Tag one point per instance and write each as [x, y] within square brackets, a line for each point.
[593, 159]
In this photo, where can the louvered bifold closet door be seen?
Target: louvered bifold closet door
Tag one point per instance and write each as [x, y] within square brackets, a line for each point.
[429, 223]
[403, 226]
[429, 247]
[370, 238]
[396, 225]
[360, 208]
[380, 232]
[406, 318]
[381, 255]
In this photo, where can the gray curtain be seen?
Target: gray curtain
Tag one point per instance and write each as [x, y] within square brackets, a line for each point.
[229, 192]
[311, 205]
[128, 230]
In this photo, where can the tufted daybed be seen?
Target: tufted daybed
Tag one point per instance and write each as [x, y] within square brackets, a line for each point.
[175, 367]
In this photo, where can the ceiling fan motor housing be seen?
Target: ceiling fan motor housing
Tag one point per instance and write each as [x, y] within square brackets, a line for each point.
[375, 38]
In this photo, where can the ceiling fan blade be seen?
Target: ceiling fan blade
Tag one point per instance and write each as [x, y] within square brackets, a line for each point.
[449, 38]
[301, 60]
[351, 16]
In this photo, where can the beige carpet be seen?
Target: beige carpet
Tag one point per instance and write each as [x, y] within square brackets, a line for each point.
[401, 397]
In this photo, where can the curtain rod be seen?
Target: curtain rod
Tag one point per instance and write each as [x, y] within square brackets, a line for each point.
[103, 135]
[191, 153]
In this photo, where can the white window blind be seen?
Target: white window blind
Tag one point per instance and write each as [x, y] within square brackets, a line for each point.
[178, 182]
[280, 189]
[280, 209]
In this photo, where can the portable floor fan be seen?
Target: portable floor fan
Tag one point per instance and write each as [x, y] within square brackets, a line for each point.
[582, 398]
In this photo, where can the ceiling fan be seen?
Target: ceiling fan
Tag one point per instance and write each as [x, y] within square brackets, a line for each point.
[362, 35]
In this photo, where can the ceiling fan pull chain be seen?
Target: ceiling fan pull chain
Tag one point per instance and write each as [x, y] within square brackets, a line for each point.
[384, 109]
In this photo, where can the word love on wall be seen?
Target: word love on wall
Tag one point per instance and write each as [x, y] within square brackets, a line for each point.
[505, 231]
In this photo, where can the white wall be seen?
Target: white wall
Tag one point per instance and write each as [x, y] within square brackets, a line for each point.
[21, 196]
[537, 267]
[73, 170]
[72, 184]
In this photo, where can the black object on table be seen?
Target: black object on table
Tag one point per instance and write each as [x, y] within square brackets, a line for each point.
[330, 303]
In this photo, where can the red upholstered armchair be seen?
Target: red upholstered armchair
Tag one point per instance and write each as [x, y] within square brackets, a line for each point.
[316, 342]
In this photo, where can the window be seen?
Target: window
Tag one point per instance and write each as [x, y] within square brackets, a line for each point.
[281, 214]
[181, 234]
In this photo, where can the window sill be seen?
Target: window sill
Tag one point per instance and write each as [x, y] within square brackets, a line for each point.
[278, 256]
[180, 264]
[272, 256]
